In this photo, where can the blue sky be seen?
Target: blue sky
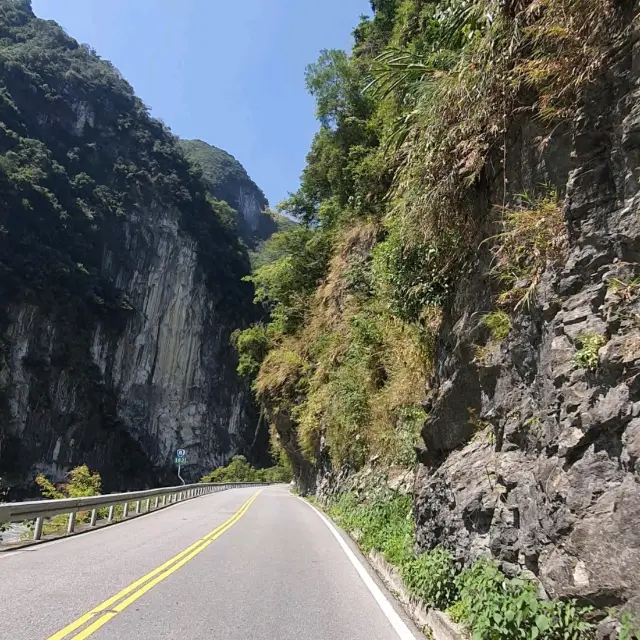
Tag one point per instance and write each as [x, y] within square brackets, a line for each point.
[228, 72]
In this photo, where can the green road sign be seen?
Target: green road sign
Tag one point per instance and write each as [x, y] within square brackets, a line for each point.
[180, 460]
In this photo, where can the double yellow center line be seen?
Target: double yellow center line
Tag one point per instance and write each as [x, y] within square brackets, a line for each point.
[107, 610]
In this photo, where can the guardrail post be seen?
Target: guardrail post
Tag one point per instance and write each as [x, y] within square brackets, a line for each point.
[112, 509]
[137, 507]
[37, 532]
[125, 510]
[148, 504]
[164, 500]
[71, 525]
[155, 504]
[94, 517]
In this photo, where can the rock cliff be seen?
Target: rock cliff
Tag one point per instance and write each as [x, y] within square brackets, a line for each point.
[532, 442]
[120, 282]
[229, 181]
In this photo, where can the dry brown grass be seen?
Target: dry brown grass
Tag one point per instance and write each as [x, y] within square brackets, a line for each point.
[534, 238]
[361, 396]
[393, 433]
[540, 60]
[565, 45]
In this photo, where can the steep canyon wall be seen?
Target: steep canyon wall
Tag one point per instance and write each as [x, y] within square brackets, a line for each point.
[120, 286]
[531, 453]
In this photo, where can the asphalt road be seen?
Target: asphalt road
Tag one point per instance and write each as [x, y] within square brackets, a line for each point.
[274, 571]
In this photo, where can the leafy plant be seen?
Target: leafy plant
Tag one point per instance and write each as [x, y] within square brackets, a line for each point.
[432, 578]
[533, 238]
[239, 470]
[626, 291]
[416, 274]
[252, 346]
[382, 523]
[628, 629]
[587, 355]
[500, 608]
[81, 483]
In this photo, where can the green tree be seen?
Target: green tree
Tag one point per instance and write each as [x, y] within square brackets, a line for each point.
[239, 470]
[81, 483]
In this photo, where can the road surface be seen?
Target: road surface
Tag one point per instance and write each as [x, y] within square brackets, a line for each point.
[250, 564]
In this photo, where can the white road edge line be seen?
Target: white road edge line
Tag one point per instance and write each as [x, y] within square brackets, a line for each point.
[398, 624]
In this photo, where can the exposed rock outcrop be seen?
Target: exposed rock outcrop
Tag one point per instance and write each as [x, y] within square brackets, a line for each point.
[119, 286]
[229, 181]
[531, 452]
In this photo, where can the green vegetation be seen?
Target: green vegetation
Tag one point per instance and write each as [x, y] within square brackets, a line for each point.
[432, 578]
[265, 252]
[629, 630]
[239, 470]
[415, 123]
[82, 483]
[481, 597]
[229, 182]
[626, 291]
[384, 524]
[253, 346]
[533, 239]
[587, 355]
[500, 608]
[498, 323]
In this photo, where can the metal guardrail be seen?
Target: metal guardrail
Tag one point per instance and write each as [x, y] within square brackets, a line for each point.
[40, 510]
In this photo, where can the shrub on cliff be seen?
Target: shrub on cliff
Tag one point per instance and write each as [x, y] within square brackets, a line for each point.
[396, 203]
[239, 470]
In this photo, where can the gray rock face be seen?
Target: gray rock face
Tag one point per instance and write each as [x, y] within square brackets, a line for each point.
[529, 456]
[120, 281]
[170, 373]
[228, 180]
